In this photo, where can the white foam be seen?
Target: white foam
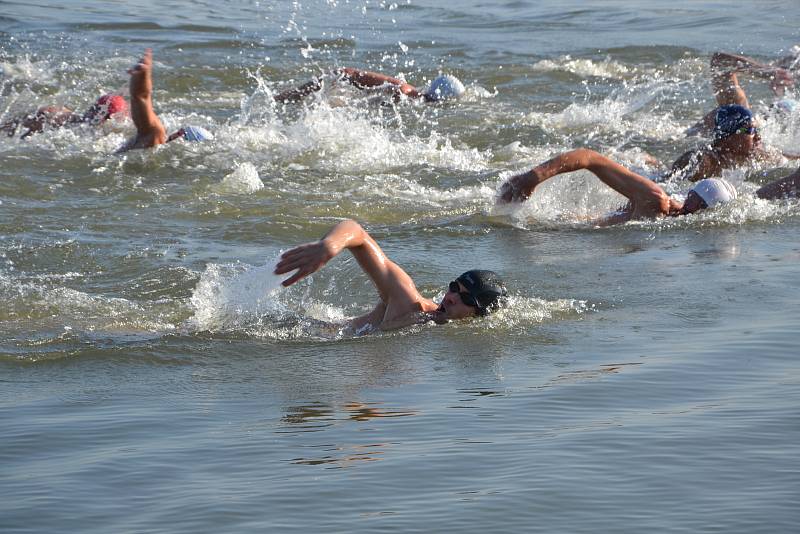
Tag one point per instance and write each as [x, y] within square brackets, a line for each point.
[243, 179]
[231, 295]
[585, 67]
[629, 109]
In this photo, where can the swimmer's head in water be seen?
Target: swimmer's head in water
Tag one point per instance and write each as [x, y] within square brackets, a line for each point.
[104, 107]
[191, 134]
[709, 193]
[732, 119]
[483, 291]
[444, 87]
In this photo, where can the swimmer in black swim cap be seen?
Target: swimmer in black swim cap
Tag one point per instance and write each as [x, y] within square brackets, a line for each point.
[482, 290]
[474, 293]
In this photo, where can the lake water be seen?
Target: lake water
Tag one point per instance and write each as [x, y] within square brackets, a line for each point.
[644, 378]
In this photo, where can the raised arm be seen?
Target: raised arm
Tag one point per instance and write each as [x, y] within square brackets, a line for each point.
[788, 186]
[149, 130]
[637, 189]
[727, 90]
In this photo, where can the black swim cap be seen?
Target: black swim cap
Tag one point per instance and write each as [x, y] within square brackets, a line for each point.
[486, 288]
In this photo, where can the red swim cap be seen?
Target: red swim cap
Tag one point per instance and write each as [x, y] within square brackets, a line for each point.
[108, 105]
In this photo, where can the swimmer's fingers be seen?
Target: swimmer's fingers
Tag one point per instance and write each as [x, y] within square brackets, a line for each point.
[299, 275]
[144, 64]
[306, 259]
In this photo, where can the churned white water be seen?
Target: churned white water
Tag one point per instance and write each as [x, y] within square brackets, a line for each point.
[156, 377]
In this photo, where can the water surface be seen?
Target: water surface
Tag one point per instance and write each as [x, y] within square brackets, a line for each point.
[152, 378]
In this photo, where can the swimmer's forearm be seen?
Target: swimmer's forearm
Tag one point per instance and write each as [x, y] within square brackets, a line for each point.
[298, 93]
[311, 257]
[725, 60]
[788, 186]
[520, 187]
[739, 63]
[347, 234]
[365, 78]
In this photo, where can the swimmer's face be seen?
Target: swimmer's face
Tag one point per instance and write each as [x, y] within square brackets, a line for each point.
[693, 203]
[453, 306]
[740, 144]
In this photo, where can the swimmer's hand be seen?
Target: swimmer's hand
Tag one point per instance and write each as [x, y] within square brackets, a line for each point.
[306, 259]
[518, 188]
[144, 65]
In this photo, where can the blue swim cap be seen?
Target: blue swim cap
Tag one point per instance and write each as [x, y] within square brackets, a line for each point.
[730, 119]
[197, 133]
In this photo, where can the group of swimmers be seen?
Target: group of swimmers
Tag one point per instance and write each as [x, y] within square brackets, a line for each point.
[732, 126]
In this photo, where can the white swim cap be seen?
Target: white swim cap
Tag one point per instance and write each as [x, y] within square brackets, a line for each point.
[715, 191]
[196, 133]
[445, 86]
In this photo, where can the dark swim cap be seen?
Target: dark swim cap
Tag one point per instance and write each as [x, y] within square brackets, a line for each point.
[730, 119]
[486, 288]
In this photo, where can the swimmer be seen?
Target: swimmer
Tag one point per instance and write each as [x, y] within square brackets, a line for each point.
[726, 68]
[474, 293]
[646, 199]
[103, 109]
[443, 87]
[735, 142]
[150, 132]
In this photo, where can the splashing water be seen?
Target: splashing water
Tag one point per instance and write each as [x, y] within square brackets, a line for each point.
[228, 296]
[244, 179]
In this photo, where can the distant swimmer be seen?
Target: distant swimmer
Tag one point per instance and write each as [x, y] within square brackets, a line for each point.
[726, 68]
[646, 199]
[474, 293]
[443, 87]
[150, 132]
[105, 107]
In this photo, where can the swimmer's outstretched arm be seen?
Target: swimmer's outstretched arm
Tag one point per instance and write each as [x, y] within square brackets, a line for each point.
[638, 189]
[296, 94]
[362, 79]
[149, 130]
[52, 116]
[788, 186]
